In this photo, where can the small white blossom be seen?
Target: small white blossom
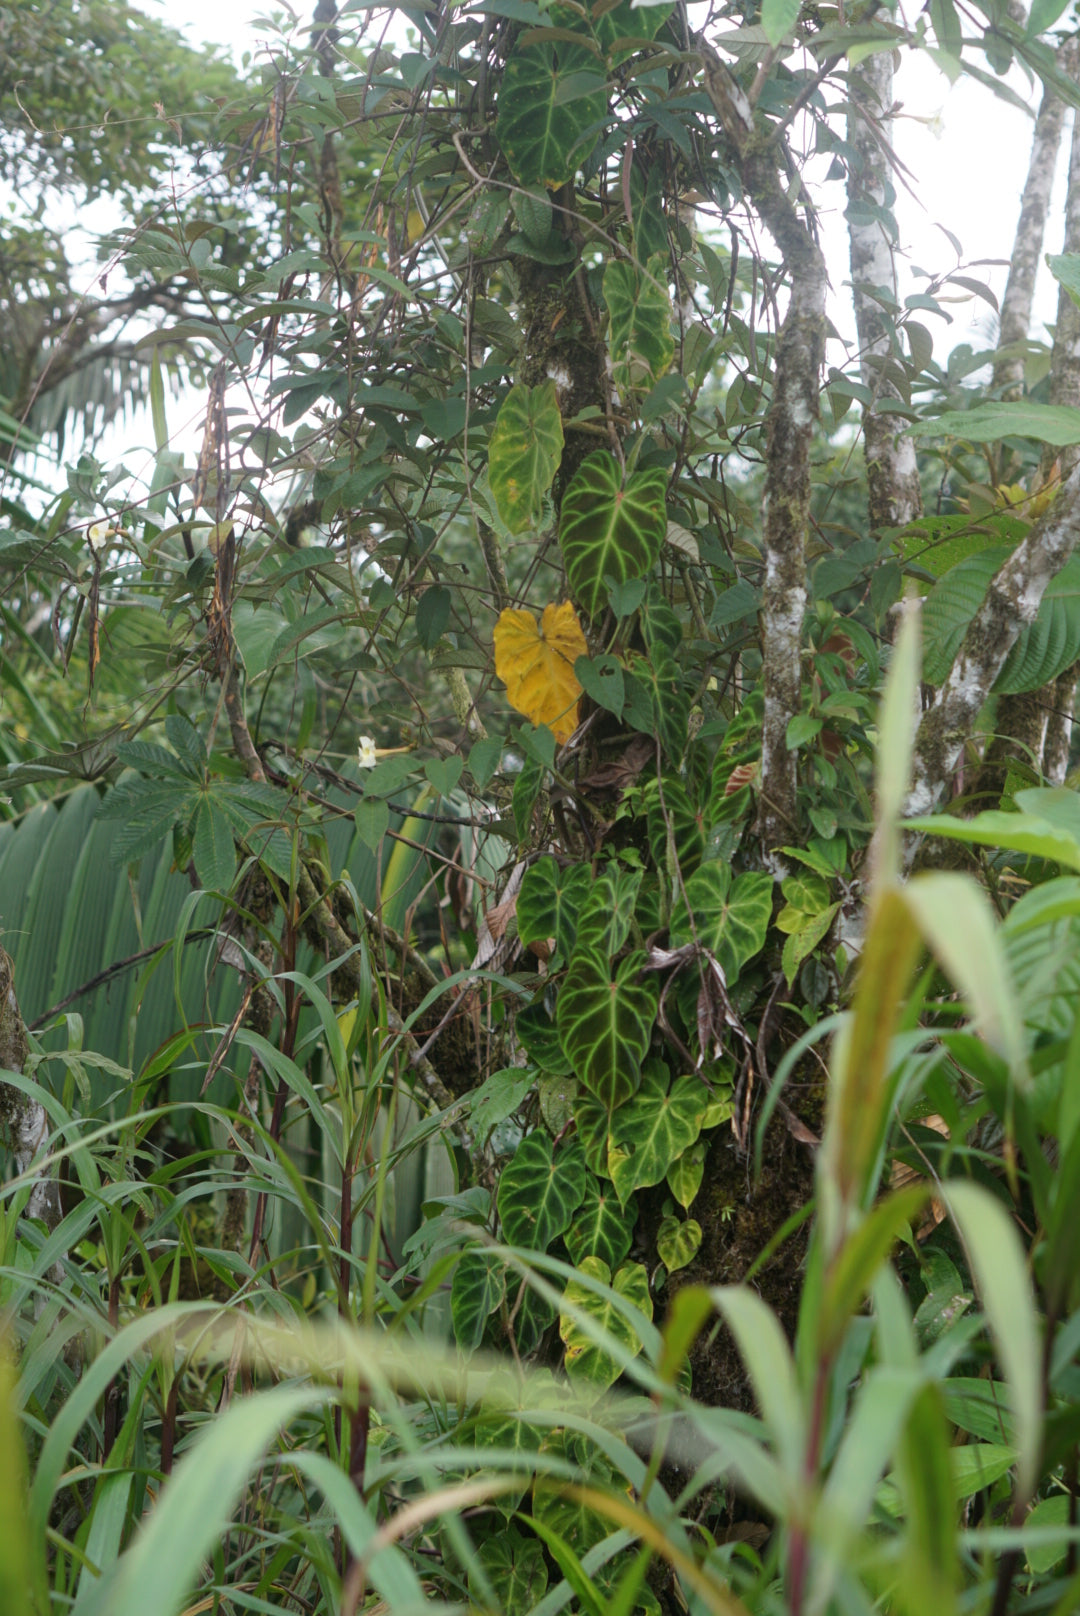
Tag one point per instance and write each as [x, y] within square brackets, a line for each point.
[368, 757]
[99, 534]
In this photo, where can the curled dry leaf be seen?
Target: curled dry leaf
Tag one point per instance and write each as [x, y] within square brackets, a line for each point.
[744, 774]
[536, 663]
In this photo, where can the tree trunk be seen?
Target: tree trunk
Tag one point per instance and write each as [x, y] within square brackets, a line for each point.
[892, 475]
[1015, 323]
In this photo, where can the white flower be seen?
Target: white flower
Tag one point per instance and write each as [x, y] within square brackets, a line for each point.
[368, 757]
[99, 534]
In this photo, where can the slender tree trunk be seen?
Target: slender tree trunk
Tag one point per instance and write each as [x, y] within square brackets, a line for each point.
[1015, 323]
[892, 475]
[24, 1122]
[793, 411]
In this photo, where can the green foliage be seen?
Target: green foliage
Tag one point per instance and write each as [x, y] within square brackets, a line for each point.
[610, 529]
[524, 453]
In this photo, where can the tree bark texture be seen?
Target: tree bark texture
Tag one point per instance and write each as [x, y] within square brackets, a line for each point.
[24, 1121]
[1015, 322]
[1012, 601]
[892, 475]
[800, 352]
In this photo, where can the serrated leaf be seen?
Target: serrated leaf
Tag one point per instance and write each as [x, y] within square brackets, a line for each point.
[540, 1192]
[607, 530]
[686, 1172]
[537, 665]
[605, 1025]
[653, 1129]
[678, 1242]
[540, 132]
[524, 453]
[586, 1362]
[639, 311]
[602, 1226]
[479, 1286]
[729, 917]
[549, 902]
[1051, 643]
[212, 847]
[951, 605]
[1058, 424]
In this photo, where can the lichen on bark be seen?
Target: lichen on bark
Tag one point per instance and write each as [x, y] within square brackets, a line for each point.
[24, 1122]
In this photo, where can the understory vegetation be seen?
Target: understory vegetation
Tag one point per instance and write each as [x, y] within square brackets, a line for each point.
[539, 861]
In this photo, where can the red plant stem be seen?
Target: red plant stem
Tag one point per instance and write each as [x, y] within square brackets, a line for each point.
[799, 1550]
[168, 1426]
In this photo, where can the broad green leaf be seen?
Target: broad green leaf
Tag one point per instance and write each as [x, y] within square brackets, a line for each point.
[592, 1120]
[1023, 833]
[639, 310]
[951, 605]
[535, 1314]
[536, 663]
[605, 1025]
[610, 531]
[602, 1226]
[432, 615]
[515, 1568]
[501, 1426]
[1065, 267]
[524, 453]
[549, 901]
[212, 846]
[1058, 424]
[586, 1361]
[498, 1097]
[539, 1192]
[557, 1095]
[678, 1241]
[778, 18]
[925, 1471]
[628, 22]
[654, 1128]
[1051, 643]
[540, 131]
[540, 1036]
[479, 1286]
[657, 702]
[523, 798]
[1001, 1276]
[728, 917]
[685, 1174]
[372, 816]
[604, 921]
[574, 1522]
[675, 825]
[601, 678]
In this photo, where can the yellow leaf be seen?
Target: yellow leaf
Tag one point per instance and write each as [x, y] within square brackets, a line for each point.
[537, 665]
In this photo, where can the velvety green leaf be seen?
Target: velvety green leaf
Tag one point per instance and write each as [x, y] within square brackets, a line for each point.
[556, 1095]
[639, 310]
[540, 1037]
[608, 531]
[526, 790]
[515, 1568]
[606, 1025]
[625, 22]
[657, 702]
[524, 453]
[602, 1226]
[730, 917]
[540, 133]
[653, 1129]
[539, 1192]
[549, 901]
[586, 1361]
[678, 1241]
[478, 1288]
[685, 1174]
[604, 921]
[592, 1119]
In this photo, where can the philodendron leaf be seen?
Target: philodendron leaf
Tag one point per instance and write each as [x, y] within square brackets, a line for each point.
[515, 1567]
[586, 1361]
[686, 1172]
[607, 530]
[539, 129]
[605, 1025]
[537, 665]
[549, 902]
[639, 310]
[539, 1192]
[624, 22]
[604, 921]
[524, 453]
[654, 1128]
[730, 917]
[602, 1226]
[478, 1288]
[540, 1036]
[678, 1241]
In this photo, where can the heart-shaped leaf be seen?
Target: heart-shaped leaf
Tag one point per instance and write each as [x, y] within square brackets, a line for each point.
[514, 1565]
[678, 1242]
[540, 1037]
[657, 702]
[588, 1364]
[608, 531]
[602, 1226]
[372, 821]
[537, 665]
[602, 679]
[552, 94]
[604, 920]
[500, 1425]
[639, 310]
[444, 773]
[616, 27]
[539, 1193]
[730, 917]
[686, 1172]
[478, 1288]
[524, 453]
[592, 1121]
[654, 1128]
[605, 1025]
[553, 1511]
[549, 901]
